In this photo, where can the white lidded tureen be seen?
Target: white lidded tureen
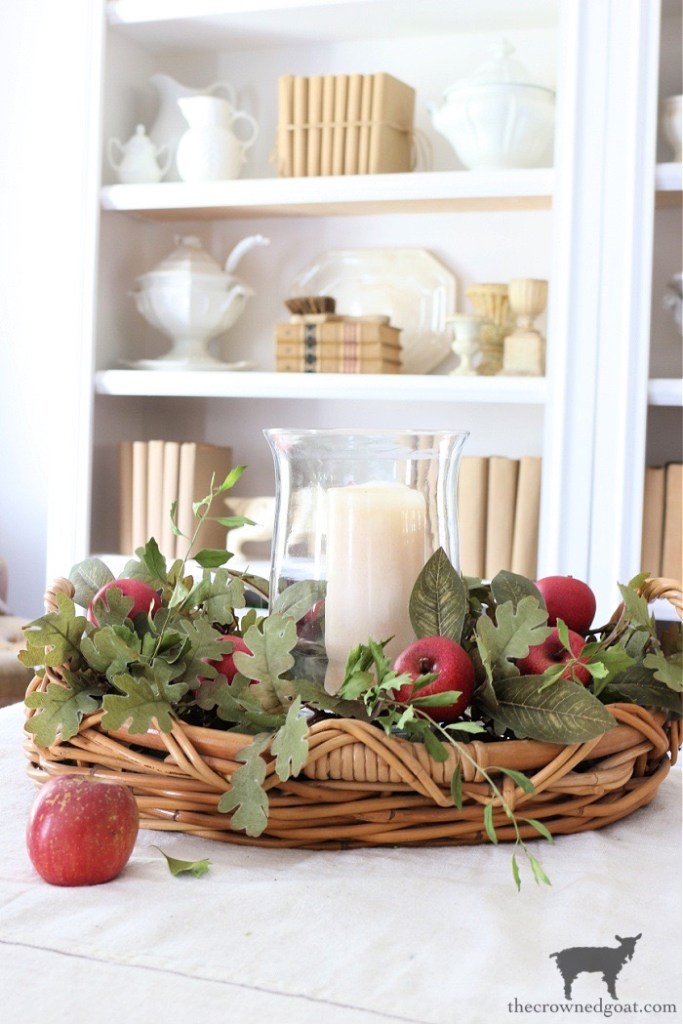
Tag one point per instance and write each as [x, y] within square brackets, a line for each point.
[192, 299]
[498, 118]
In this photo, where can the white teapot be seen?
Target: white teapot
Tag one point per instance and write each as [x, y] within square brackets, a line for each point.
[210, 150]
[190, 298]
[137, 160]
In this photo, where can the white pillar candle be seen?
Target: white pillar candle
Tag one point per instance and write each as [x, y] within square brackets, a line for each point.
[375, 552]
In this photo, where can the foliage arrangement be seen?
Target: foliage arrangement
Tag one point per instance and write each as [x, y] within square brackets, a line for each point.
[154, 669]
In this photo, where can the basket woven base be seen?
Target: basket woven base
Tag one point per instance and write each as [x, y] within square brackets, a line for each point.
[363, 788]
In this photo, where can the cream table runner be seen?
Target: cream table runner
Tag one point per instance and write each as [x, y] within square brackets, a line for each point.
[425, 936]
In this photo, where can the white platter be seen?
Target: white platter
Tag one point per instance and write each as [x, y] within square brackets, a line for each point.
[410, 286]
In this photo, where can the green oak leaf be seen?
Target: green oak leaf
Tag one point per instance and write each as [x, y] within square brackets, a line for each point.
[270, 658]
[142, 701]
[149, 566]
[315, 696]
[236, 702]
[563, 713]
[439, 600]
[61, 709]
[290, 743]
[54, 639]
[185, 867]
[88, 577]
[246, 796]
[202, 644]
[226, 592]
[515, 630]
[667, 670]
[111, 650]
[636, 608]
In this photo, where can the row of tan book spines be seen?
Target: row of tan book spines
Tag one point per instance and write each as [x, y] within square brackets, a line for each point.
[498, 514]
[326, 124]
[662, 535]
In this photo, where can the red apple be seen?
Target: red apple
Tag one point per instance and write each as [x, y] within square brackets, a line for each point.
[145, 598]
[225, 664]
[455, 672]
[80, 831]
[552, 652]
[568, 599]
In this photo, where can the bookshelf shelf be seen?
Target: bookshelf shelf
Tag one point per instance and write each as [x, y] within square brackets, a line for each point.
[384, 387]
[426, 192]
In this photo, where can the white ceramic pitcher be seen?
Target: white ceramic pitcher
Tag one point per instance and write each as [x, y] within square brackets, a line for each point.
[210, 150]
[169, 123]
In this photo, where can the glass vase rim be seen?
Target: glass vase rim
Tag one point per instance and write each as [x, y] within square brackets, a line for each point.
[366, 431]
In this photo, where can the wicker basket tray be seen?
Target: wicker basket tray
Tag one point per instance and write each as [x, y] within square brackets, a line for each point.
[361, 787]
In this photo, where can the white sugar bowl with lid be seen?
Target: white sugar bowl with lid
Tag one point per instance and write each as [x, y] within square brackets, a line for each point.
[498, 118]
[192, 299]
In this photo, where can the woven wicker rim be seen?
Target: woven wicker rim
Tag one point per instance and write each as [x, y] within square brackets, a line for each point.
[361, 787]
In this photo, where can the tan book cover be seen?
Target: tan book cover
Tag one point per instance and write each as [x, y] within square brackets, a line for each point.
[139, 519]
[285, 133]
[353, 101]
[393, 111]
[300, 132]
[169, 492]
[527, 517]
[341, 83]
[472, 512]
[197, 465]
[328, 125]
[126, 497]
[653, 520]
[672, 541]
[155, 475]
[365, 117]
[500, 513]
[338, 330]
[334, 364]
[341, 349]
[315, 116]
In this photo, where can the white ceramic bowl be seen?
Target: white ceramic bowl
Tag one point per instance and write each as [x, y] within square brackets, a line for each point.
[498, 125]
[671, 124]
[187, 313]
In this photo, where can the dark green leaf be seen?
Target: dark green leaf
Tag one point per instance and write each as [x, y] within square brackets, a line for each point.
[510, 586]
[456, 787]
[435, 748]
[211, 558]
[563, 713]
[488, 823]
[439, 600]
[521, 780]
[637, 686]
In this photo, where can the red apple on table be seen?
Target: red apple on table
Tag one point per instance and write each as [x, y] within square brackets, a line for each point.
[145, 599]
[81, 831]
[455, 672]
[552, 652]
[569, 599]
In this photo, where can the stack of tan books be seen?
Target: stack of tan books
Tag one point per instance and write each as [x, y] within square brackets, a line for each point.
[153, 475]
[328, 343]
[498, 515]
[662, 540]
[344, 124]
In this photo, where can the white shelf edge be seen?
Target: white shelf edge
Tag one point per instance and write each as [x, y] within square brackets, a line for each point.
[341, 193]
[665, 391]
[267, 384]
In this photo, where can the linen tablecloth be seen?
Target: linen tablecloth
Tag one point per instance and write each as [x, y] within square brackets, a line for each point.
[426, 936]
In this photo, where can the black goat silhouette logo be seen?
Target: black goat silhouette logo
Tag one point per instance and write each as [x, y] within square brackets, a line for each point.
[605, 960]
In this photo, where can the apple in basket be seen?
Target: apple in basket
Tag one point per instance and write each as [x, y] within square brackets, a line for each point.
[225, 664]
[552, 652]
[146, 601]
[455, 671]
[81, 831]
[569, 599]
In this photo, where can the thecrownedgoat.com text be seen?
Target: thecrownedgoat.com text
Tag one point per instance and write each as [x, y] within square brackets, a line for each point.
[605, 1008]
